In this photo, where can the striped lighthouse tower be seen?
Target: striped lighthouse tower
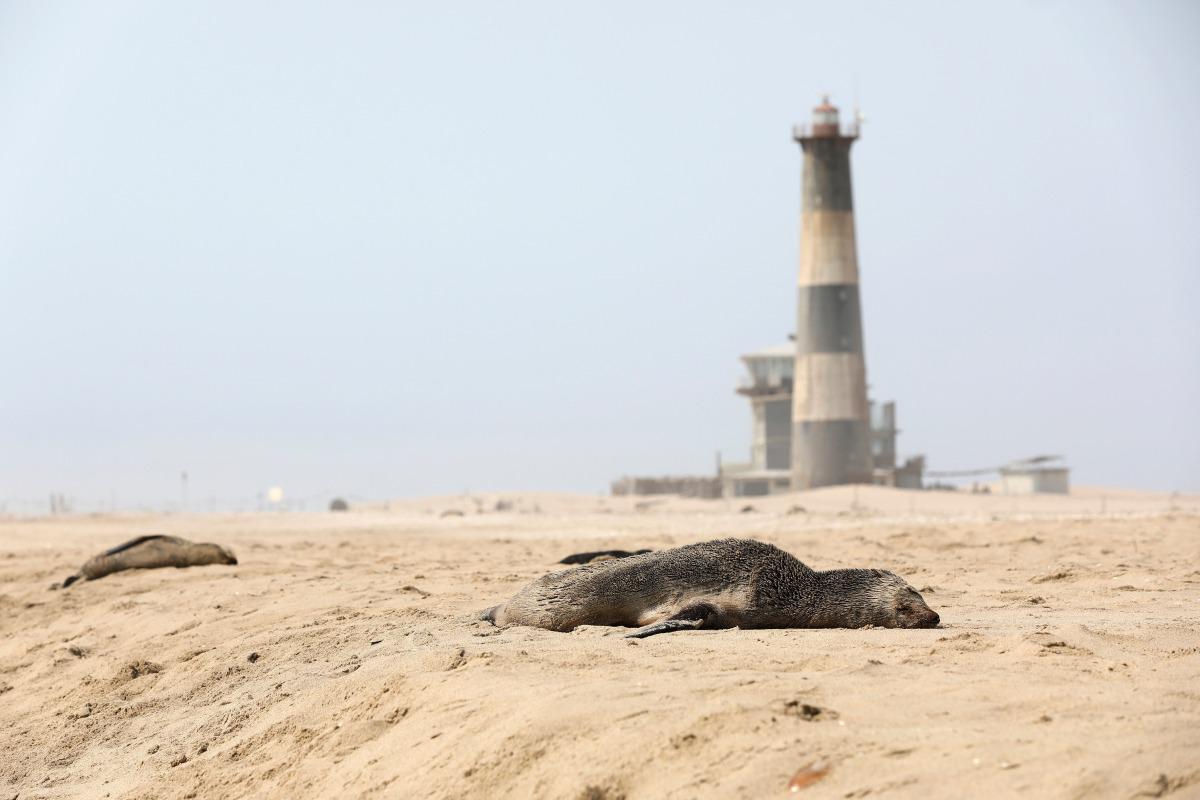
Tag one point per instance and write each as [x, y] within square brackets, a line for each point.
[831, 435]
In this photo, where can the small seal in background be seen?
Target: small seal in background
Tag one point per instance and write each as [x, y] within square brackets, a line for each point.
[150, 552]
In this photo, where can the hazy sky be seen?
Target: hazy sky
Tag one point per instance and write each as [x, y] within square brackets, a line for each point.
[393, 249]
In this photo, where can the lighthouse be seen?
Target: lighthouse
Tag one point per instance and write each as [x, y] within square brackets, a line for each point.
[831, 430]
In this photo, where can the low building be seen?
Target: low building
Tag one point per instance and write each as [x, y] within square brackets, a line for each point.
[1040, 475]
[682, 485]
[910, 474]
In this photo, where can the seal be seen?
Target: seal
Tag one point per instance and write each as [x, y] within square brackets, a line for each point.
[599, 555]
[150, 552]
[727, 583]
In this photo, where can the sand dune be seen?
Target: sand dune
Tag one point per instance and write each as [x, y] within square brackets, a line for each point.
[342, 657]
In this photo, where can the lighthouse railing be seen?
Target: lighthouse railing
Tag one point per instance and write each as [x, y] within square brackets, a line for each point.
[805, 131]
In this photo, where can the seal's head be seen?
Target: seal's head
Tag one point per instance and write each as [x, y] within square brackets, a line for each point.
[212, 554]
[901, 606]
[856, 598]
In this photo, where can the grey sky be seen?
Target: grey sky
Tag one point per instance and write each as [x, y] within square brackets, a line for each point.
[393, 249]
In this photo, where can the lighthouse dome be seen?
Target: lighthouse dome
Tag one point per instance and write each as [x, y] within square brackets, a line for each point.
[825, 119]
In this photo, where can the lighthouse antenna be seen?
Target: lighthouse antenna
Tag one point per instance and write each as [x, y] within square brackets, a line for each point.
[859, 117]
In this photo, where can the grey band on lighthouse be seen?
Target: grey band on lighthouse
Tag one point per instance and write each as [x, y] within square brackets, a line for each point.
[831, 440]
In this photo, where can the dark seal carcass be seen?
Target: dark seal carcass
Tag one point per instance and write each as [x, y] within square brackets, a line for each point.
[729, 583]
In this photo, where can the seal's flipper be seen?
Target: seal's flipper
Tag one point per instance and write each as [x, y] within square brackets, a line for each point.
[694, 617]
[71, 579]
[595, 555]
[666, 626]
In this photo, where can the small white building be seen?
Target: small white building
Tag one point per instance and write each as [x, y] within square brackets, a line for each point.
[1040, 475]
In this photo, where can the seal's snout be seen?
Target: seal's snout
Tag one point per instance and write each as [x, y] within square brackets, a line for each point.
[930, 619]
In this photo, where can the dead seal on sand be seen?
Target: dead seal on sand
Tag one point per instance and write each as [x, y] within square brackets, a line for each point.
[151, 552]
[729, 583]
[600, 555]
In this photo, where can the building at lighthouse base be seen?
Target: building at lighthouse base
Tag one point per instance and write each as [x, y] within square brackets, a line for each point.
[768, 385]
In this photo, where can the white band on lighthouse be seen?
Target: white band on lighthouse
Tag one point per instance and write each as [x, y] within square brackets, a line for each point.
[829, 386]
[827, 250]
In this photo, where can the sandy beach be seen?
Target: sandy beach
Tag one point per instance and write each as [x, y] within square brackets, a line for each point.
[342, 656]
